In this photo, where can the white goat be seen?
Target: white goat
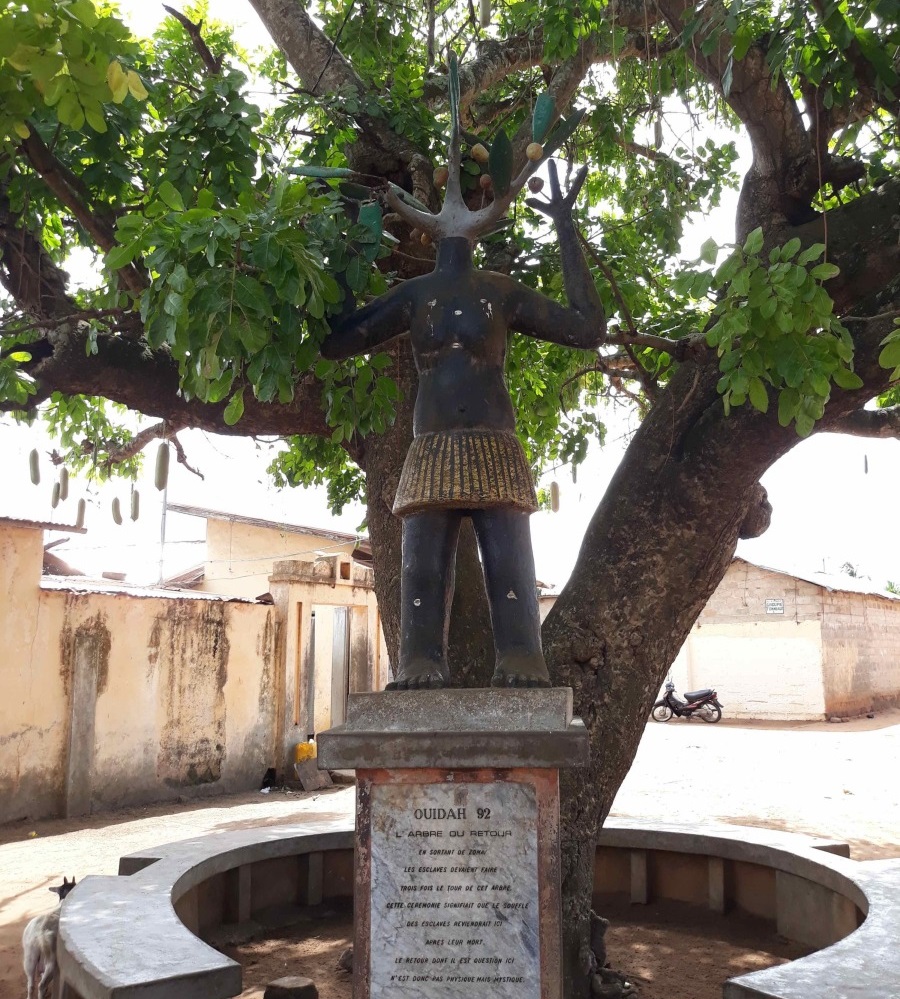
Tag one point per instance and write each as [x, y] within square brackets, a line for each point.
[39, 945]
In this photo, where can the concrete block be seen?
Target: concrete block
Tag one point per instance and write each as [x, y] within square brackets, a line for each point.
[491, 710]
[717, 900]
[314, 878]
[810, 913]
[451, 729]
[640, 889]
[238, 892]
[292, 987]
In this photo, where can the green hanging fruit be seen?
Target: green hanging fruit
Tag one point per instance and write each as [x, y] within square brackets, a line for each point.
[162, 466]
[34, 466]
[135, 505]
[54, 499]
[64, 483]
[79, 519]
[117, 510]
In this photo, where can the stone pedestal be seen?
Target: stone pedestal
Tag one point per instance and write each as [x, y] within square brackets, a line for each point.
[457, 839]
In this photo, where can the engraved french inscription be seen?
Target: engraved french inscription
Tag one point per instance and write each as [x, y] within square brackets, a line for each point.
[454, 899]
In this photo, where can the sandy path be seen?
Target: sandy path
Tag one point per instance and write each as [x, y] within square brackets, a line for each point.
[828, 780]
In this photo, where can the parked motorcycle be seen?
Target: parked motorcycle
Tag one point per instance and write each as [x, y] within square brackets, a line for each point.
[703, 703]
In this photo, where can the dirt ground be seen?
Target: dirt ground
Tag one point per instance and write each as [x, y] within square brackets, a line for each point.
[822, 779]
[669, 951]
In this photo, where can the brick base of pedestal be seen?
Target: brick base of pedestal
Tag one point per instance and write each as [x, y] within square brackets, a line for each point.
[457, 862]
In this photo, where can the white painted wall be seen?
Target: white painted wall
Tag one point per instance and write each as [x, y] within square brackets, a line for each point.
[769, 670]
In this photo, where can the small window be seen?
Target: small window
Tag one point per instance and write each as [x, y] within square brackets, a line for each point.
[345, 570]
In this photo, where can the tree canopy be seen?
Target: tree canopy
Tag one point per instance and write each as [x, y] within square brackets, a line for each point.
[173, 162]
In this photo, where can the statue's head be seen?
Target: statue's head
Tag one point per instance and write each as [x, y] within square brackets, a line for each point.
[455, 218]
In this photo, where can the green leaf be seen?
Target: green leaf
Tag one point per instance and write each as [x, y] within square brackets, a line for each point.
[179, 279]
[563, 131]
[370, 217]
[847, 379]
[453, 89]
[743, 39]
[788, 405]
[357, 274]
[709, 251]
[754, 242]
[235, 408]
[804, 424]
[824, 271]
[249, 294]
[890, 356]
[811, 253]
[169, 196]
[500, 162]
[790, 249]
[120, 256]
[253, 335]
[768, 307]
[759, 397]
[544, 110]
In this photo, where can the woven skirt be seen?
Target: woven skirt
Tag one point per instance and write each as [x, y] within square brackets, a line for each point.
[465, 469]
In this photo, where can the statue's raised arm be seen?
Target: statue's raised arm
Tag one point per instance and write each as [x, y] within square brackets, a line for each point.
[365, 329]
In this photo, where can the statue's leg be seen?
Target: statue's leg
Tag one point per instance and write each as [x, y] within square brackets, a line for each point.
[426, 592]
[504, 538]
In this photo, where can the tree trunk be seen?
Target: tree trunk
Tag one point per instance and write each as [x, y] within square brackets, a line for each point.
[654, 552]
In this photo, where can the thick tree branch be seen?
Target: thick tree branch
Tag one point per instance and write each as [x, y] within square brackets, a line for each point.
[862, 239]
[322, 67]
[71, 193]
[212, 63]
[32, 279]
[883, 423]
[165, 428]
[496, 59]
[124, 372]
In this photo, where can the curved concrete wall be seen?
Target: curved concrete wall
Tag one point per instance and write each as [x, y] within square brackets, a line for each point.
[134, 937]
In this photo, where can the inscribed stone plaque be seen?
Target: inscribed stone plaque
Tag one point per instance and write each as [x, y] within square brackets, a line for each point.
[454, 891]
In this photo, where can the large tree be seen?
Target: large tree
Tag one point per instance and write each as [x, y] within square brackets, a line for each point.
[218, 268]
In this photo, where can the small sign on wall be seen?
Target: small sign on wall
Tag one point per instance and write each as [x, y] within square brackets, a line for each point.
[775, 605]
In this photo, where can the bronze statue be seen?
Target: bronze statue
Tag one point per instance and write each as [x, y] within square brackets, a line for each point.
[465, 459]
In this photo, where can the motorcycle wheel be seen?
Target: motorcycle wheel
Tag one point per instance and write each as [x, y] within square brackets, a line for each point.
[661, 713]
[711, 713]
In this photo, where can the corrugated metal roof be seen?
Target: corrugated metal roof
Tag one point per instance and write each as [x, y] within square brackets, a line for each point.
[42, 525]
[272, 525]
[82, 584]
[828, 581]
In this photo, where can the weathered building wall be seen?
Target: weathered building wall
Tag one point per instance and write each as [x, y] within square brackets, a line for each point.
[811, 653]
[318, 669]
[239, 556]
[33, 702]
[113, 699]
[763, 664]
[861, 652]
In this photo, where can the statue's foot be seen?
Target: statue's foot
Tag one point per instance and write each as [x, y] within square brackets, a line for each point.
[521, 671]
[423, 675]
